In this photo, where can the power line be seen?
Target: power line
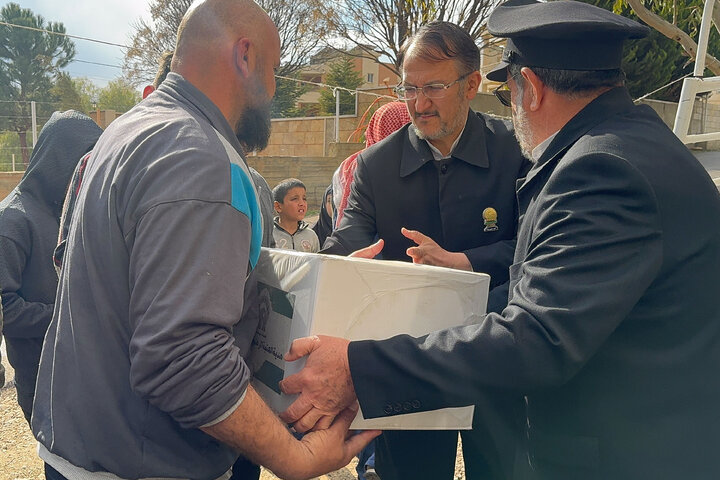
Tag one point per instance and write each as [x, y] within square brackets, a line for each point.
[335, 87]
[658, 89]
[28, 101]
[125, 46]
[13, 25]
[353, 92]
[97, 63]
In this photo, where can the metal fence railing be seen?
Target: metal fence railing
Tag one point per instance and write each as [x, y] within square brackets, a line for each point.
[11, 159]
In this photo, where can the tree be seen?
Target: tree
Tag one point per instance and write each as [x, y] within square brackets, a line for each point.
[286, 95]
[342, 74]
[669, 51]
[299, 22]
[153, 38]
[302, 25]
[679, 20]
[74, 93]
[29, 61]
[384, 25]
[118, 95]
[652, 62]
[9, 149]
[649, 63]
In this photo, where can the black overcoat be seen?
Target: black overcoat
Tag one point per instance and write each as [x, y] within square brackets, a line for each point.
[398, 184]
[613, 325]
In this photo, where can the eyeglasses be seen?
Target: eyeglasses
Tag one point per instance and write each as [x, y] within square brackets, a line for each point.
[503, 93]
[434, 90]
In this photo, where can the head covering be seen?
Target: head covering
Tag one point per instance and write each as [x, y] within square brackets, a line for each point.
[386, 120]
[563, 35]
[64, 139]
[29, 218]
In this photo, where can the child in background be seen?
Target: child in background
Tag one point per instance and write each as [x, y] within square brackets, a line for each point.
[290, 230]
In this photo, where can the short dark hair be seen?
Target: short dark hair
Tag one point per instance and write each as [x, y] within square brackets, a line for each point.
[163, 68]
[443, 41]
[572, 83]
[282, 188]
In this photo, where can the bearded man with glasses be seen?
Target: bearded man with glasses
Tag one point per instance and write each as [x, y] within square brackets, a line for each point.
[441, 191]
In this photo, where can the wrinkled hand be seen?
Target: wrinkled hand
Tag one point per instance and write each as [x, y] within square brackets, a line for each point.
[428, 252]
[369, 252]
[328, 450]
[324, 384]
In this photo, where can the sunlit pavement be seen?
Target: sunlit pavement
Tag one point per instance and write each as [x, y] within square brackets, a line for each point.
[711, 162]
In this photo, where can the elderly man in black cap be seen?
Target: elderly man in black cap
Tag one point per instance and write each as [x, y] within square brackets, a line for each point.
[612, 330]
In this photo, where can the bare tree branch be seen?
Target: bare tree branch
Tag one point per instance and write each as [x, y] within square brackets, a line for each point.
[301, 25]
[383, 25]
[674, 33]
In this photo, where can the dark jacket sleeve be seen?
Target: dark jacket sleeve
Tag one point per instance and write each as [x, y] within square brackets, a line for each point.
[22, 319]
[581, 276]
[493, 259]
[357, 228]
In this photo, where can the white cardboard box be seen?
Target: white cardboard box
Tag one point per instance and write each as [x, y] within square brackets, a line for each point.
[304, 294]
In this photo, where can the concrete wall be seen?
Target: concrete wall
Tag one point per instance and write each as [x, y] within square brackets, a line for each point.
[104, 117]
[486, 102]
[306, 148]
[707, 121]
[306, 137]
[312, 136]
[315, 173]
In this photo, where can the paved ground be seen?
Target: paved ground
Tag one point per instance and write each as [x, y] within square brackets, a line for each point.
[18, 448]
[711, 162]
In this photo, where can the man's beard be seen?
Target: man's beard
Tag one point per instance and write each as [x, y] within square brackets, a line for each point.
[253, 128]
[523, 133]
[446, 128]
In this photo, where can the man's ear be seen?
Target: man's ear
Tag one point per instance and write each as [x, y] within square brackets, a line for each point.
[242, 56]
[147, 90]
[535, 86]
[277, 206]
[473, 84]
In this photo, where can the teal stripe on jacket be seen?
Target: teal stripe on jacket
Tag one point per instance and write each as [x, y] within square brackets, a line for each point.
[244, 200]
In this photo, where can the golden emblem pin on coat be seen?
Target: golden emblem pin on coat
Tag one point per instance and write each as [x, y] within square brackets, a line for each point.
[490, 218]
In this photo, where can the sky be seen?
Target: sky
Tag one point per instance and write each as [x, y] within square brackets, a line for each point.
[107, 20]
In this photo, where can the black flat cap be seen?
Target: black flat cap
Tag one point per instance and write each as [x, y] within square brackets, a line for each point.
[561, 34]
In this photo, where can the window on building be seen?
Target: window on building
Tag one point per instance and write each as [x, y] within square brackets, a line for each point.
[370, 77]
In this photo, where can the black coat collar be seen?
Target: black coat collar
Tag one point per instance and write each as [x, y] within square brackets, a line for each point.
[470, 149]
[608, 104]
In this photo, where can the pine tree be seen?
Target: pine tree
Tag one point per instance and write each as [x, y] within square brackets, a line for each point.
[29, 62]
[342, 74]
[286, 95]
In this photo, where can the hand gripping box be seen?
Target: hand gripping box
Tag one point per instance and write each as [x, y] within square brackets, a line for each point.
[305, 294]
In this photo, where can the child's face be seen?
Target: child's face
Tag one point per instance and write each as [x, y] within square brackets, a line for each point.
[294, 205]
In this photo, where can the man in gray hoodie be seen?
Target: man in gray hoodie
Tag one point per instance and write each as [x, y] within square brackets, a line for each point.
[143, 372]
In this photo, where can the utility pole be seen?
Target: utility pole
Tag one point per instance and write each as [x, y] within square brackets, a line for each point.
[34, 122]
[336, 93]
